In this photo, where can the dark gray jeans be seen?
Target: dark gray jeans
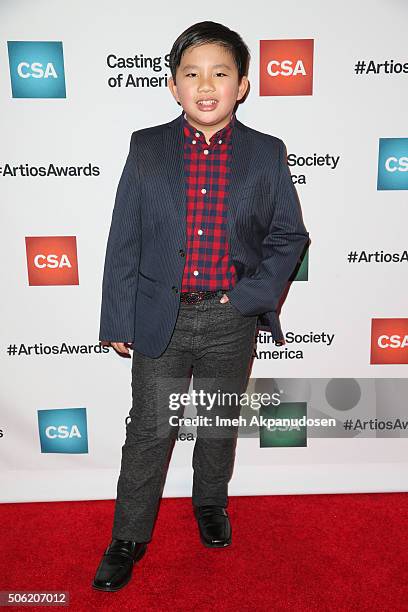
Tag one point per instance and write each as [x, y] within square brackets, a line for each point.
[213, 342]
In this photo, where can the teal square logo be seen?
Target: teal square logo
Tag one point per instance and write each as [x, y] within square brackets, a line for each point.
[392, 164]
[283, 433]
[63, 430]
[301, 272]
[36, 69]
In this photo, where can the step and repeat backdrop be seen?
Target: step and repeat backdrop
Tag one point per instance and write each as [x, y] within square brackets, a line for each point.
[76, 79]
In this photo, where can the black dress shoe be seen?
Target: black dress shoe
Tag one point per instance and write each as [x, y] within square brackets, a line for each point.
[115, 569]
[214, 526]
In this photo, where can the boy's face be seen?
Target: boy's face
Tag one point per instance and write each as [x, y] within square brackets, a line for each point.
[207, 86]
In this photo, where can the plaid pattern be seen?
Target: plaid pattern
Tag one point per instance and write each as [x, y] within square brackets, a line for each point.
[207, 179]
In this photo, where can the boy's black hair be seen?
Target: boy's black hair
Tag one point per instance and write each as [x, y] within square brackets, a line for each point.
[210, 32]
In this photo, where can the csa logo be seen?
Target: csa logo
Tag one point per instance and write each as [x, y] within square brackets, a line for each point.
[63, 430]
[36, 69]
[392, 164]
[389, 341]
[52, 260]
[286, 67]
[285, 435]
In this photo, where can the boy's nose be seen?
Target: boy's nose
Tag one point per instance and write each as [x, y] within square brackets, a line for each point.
[206, 87]
[206, 83]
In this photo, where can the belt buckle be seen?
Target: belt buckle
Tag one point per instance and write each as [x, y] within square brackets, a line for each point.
[196, 297]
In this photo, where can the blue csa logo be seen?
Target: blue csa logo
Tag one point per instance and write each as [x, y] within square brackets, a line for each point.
[63, 430]
[393, 164]
[36, 69]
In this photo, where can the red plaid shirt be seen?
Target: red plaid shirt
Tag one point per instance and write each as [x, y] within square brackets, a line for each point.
[207, 170]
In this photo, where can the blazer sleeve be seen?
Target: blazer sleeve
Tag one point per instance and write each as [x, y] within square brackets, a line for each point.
[281, 247]
[120, 275]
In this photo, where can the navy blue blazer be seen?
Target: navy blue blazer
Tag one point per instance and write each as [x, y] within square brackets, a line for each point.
[145, 252]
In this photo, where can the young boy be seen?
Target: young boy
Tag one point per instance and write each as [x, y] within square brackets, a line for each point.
[206, 231]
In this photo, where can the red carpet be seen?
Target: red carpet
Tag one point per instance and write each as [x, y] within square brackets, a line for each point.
[295, 553]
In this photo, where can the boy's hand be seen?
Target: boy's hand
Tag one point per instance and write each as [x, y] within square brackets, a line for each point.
[224, 299]
[122, 347]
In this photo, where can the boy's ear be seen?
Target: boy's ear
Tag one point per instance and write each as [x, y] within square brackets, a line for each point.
[173, 88]
[243, 87]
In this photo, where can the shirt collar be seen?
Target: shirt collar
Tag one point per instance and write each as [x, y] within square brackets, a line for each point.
[223, 134]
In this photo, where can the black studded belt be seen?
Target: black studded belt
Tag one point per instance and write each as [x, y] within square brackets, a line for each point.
[193, 297]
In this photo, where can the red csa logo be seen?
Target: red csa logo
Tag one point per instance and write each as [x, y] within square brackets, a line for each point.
[52, 260]
[389, 341]
[286, 67]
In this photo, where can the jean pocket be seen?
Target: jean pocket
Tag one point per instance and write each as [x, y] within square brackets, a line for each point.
[233, 308]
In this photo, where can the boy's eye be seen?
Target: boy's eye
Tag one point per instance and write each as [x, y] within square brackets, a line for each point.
[192, 74]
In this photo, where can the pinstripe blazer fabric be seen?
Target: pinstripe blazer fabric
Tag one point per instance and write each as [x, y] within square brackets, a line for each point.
[146, 245]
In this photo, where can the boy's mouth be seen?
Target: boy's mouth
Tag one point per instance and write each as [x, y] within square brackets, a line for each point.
[207, 104]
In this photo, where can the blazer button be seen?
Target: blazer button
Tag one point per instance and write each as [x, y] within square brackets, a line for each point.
[175, 289]
[182, 252]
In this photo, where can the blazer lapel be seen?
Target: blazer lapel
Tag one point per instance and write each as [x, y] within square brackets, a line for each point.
[174, 159]
[240, 162]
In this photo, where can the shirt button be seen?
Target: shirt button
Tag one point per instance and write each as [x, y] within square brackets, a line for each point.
[199, 232]
[220, 142]
[195, 272]
[206, 151]
[203, 190]
[197, 134]
[193, 141]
